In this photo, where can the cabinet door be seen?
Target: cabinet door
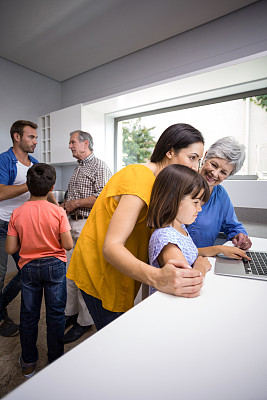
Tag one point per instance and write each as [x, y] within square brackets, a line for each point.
[63, 122]
[44, 139]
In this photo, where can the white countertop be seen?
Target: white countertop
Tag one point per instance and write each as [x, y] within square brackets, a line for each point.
[212, 347]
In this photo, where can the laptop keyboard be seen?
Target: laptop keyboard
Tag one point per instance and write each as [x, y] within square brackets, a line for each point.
[257, 265]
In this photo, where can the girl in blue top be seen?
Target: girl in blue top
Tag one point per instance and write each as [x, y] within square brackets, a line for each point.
[175, 201]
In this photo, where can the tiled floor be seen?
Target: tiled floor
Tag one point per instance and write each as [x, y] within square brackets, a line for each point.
[10, 371]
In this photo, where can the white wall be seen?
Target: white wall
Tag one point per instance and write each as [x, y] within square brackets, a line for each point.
[247, 194]
[238, 35]
[24, 94]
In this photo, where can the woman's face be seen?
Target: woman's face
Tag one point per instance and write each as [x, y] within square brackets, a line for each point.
[189, 156]
[215, 170]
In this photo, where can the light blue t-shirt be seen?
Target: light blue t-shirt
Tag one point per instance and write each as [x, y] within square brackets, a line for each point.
[161, 237]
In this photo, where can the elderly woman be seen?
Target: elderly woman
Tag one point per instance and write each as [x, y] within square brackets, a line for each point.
[224, 158]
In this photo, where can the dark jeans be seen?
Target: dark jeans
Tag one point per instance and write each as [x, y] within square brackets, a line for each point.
[46, 275]
[100, 315]
[13, 288]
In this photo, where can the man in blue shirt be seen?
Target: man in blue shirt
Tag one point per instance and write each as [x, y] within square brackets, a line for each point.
[14, 164]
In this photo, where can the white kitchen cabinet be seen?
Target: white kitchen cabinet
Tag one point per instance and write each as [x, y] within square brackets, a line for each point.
[45, 139]
[55, 128]
[55, 134]
[62, 123]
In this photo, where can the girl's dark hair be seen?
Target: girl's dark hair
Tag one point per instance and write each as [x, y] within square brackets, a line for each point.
[177, 137]
[41, 178]
[171, 185]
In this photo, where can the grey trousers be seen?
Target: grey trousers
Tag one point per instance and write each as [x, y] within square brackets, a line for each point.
[75, 302]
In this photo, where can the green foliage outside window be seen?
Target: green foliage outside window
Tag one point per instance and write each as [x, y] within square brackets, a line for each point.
[260, 101]
[138, 142]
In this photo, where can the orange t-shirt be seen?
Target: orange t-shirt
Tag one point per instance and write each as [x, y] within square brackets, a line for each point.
[38, 225]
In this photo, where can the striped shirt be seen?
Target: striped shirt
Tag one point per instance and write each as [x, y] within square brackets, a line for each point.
[88, 179]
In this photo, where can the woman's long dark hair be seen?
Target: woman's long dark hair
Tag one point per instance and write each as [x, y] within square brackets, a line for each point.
[177, 137]
[171, 185]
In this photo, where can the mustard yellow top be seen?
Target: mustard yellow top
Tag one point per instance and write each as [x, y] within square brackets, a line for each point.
[88, 267]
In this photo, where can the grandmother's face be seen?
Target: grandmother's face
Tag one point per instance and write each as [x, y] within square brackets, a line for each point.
[215, 170]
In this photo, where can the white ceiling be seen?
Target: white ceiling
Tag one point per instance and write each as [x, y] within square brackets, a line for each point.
[63, 38]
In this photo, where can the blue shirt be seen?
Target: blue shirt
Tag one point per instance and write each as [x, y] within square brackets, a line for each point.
[8, 166]
[217, 215]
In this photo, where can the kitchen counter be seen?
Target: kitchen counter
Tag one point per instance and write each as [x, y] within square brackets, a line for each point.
[210, 347]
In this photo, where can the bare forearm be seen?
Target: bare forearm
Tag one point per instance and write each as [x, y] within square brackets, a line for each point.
[201, 269]
[121, 258]
[12, 244]
[174, 278]
[11, 191]
[209, 251]
[229, 251]
[87, 202]
[12, 250]
[202, 264]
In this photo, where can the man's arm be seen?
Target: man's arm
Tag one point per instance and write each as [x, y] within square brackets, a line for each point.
[11, 191]
[78, 203]
[103, 174]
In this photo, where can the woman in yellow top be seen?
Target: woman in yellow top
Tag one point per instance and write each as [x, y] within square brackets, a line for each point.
[110, 258]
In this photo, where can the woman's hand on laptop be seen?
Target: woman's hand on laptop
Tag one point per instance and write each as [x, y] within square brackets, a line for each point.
[242, 241]
[233, 252]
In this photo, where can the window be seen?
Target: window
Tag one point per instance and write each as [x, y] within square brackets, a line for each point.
[242, 117]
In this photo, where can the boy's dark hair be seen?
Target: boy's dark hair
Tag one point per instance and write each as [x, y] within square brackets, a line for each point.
[177, 137]
[41, 178]
[19, 126]
[171, 185]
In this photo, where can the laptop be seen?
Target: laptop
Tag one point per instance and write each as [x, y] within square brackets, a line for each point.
[254, 269]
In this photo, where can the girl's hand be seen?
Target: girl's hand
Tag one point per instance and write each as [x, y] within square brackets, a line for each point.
[234, 252]
[242, 241]
[202, 264]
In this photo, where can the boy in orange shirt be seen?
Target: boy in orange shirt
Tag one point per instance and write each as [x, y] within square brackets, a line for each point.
[41, 231]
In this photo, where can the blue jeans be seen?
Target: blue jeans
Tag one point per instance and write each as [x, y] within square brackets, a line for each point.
[46, 275]
[13, 288]
[100, 315]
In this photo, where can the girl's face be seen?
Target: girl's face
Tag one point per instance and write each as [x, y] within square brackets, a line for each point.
[189, 209]
[189, 156]
[215, 170]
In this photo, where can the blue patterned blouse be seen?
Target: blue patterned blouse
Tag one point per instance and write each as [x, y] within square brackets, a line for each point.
[161, 237]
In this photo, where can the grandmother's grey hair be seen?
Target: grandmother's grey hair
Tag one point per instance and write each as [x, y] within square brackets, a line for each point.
[82, 136]
[230, 150]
